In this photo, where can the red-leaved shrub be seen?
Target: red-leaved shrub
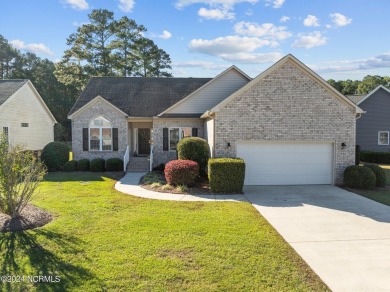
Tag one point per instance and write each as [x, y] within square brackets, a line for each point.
[181, 172]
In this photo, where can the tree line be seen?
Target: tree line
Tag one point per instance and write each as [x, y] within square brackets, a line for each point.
[360, 87]
[103, 47]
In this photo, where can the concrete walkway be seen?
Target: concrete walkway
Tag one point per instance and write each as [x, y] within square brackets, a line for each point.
[345, 238]
[129, 185]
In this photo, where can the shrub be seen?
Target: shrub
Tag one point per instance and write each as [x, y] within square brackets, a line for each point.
[54, 155]
[83, 165]
[195, 149]
[20, 175]
[226, 175]
[70, 166]
[357, 155]
[181, 172]
[114, 164]
[380, 174]
[359, 177]
[97, 165]
[375, 157]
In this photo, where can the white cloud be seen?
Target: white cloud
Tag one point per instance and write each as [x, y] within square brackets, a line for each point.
[274, 3]
[265, 30]
[227, 4]
[284, 19]
[33, 48]
[165, 35]
[310, 40]
[339, 19]
[126, 5]
[235, 48]
[77, 4]
[199, 64]
[227, 45]
[216, 14]
[252, 58]
[311, 20]
[370, 63]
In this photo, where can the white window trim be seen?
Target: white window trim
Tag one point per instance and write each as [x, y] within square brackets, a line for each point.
[180, 136]
[379, 136]
[100, 136]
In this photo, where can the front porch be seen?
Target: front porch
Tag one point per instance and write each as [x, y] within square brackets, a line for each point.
[139, 144]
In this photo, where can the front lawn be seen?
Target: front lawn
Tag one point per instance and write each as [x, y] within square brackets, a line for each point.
[102, 240]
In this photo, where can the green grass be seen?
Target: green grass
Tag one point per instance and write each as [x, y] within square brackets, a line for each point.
[102, 240]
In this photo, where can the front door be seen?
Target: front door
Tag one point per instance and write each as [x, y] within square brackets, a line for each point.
[143, 141]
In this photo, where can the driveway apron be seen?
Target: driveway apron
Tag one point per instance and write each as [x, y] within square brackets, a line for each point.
[344, 237]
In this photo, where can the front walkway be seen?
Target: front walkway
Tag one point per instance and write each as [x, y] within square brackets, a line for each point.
[129, 185]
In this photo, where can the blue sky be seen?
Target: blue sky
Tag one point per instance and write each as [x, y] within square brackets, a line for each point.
[339, 39]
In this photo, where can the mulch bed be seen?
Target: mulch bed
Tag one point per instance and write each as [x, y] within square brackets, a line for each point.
[200, 188]
[31, 217]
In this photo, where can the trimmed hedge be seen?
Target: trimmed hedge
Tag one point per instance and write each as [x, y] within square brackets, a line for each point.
[71, 165]
[83, 164]
[375, 157]
[114, 164]
[380, 174]
[97, 165]
[181, 172]
[195, 149]
[226, 175]
[55, 155]
[359, 177]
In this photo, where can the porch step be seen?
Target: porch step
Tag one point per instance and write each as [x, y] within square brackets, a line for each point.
[138, 163]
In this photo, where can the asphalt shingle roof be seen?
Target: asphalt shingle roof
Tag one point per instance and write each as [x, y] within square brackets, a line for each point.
[137, 96]
[355, 98]
[8, 87]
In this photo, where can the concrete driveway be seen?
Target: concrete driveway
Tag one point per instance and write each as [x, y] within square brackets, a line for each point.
[345, 238]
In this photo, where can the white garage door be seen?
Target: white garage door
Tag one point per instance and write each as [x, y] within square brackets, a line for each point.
[286, 163]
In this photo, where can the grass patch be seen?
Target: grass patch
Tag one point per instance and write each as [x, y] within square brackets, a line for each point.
[102, 240]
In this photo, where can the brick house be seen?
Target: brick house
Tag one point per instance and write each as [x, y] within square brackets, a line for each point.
[288, 124]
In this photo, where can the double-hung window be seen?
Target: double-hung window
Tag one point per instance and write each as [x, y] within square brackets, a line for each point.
[6, 134]
[100, 135]
[383, 138]
[176, 134]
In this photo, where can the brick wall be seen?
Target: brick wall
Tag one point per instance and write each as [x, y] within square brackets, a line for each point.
[288, 105]
[81, 120]
[161, 156]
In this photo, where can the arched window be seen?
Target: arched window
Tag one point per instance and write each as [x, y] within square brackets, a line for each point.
[100, 134]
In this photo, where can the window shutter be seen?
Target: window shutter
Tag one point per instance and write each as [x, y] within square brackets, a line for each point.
[115, 139]
[85, 139]
[165, 139]
[194, 132]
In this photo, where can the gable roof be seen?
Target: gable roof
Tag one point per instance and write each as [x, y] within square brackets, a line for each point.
[233, 67]
[355, 98]
[96, 99]
[277, 65]
[8, 87]
[137, 96]
[372, 92]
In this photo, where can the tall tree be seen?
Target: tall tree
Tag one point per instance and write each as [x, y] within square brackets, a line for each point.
[371, 82]
[109, 47]
[150, 61]
[7, 57]
[128, 34]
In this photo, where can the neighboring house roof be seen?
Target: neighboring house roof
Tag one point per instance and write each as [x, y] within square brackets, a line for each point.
[355, 98]
[8, 87]
[372, 92]
[137, 96]
[278, 64]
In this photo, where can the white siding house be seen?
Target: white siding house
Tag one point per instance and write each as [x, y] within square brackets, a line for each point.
[24, 117]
